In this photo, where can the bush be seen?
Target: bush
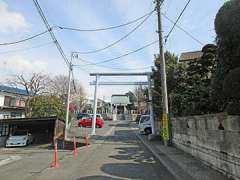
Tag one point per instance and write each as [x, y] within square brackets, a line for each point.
[231, 90]
[231, 85]
[233, 108]
[227, 25]
[227, 22]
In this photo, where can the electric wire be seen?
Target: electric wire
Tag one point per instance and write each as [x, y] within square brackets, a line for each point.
[40, 11]
[124, 55]
[106, 28]
[119, 40]
[182, 29]
[26, 39]
[174, 25]
[26, 49]
[114, 68]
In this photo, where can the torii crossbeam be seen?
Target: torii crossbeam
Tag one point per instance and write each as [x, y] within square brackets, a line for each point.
[96, 83]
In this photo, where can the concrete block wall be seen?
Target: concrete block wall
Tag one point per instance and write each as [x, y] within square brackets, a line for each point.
[214, 139]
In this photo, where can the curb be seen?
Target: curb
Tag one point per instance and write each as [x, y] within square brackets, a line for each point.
[174, 169]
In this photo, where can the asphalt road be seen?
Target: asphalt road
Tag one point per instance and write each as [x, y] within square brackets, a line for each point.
[117, 155]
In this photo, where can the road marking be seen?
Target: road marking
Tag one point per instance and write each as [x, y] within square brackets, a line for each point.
[9, 160]
[109, 132]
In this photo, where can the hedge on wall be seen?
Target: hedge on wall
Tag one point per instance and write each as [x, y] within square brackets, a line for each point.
[231, 85]
[231, 89]
[227, 26]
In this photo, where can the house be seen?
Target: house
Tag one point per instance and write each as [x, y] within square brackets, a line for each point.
[12, 102]
[102, 106]
[120, 102]
[190, 56]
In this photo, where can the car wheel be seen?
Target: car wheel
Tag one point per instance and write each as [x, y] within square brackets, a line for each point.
[97, 126]
[148, 131]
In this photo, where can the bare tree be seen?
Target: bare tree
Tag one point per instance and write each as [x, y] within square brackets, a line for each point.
[34, 84]
[141, 94]
[58, 86]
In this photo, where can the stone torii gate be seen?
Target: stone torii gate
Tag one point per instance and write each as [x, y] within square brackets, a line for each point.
[96, 83]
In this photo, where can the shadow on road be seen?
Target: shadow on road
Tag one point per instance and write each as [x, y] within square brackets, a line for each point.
[133, 160]
[135, 164]
[120, 136]
[134, 154]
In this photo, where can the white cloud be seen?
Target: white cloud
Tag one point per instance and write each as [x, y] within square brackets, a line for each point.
[11, 21]
[18, 64]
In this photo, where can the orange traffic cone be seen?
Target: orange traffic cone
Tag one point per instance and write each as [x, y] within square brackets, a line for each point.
[55, 163]
[75, 152]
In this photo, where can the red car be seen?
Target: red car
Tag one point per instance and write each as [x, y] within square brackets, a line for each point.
[88, 122]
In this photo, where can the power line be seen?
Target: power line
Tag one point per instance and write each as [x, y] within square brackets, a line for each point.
[51, 33]
[181, 28]
[27, 49]
[115, 68]
[124, 55]
[26, 39]
[106, 28]
[122, 38]
[180, 15]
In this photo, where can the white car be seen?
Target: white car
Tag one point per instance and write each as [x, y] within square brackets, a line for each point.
[97, 115]
[145, 125]
[19, 138]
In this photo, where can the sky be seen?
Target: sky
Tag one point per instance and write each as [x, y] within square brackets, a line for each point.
[20, 19]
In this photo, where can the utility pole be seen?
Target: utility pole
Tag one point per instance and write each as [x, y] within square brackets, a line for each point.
[165, 119]
[150, 103]
[95, 106]
[68, 97]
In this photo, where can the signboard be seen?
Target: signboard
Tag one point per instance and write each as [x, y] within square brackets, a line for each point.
[165, 127]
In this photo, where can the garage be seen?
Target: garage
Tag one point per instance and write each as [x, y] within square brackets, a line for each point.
[44, 130]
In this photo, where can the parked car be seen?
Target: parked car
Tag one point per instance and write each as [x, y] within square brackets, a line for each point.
[87, 122]
[97, 115]
[82, 116]
[145, 125]
[19, 138]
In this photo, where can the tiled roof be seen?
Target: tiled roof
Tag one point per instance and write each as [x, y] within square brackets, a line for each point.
[120, 99]
[13, 90]
[188, 56]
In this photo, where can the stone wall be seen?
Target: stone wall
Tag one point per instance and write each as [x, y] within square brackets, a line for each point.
[214, 139]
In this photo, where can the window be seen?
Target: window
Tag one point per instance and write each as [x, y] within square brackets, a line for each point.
[13, 102]
[16, 114]
[4, 130]
[7, 100]
[6, 116]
